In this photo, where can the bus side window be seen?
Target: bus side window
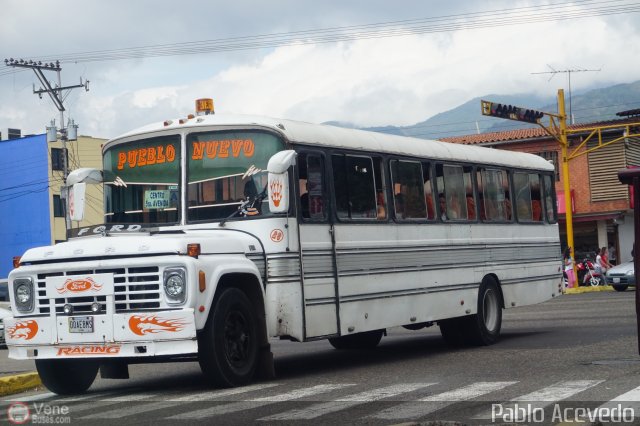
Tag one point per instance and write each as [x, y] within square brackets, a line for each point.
[493, 192]
[522, 190]
[381, 190]
[311, 186]
[408, 189]
[549, 198]
[354, 187]
[469, 193]
[536, 198]
[428, 191]
[451, 187]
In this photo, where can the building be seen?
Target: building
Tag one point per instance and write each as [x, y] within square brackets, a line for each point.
[602, 213]
[31, 175]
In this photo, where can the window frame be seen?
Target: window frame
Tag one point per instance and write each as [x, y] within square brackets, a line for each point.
[328, 209]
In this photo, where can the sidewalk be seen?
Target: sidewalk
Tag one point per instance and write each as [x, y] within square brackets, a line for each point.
[588, 289]
[16, 375]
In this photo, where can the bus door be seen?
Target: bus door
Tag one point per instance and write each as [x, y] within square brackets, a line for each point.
[317, 247]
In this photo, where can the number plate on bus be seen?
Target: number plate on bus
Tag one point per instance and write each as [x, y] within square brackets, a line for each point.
[616, 280]
[80, 324]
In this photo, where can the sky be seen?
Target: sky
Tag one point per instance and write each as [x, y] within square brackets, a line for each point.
[366, 62]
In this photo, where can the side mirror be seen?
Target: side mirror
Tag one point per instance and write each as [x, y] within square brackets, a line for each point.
[76, 201]
[85, 175]
[278, 180]
[77, 182]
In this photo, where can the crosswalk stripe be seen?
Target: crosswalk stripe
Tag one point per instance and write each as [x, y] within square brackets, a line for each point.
[93, 405]
[545, 396]
[431, 403]
[628, 401]
[31, 398]
[217, 394]
[321, 409]
[259, 402]
[169, 402]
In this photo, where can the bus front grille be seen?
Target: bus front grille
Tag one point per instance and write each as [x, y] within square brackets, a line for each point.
[135, 288]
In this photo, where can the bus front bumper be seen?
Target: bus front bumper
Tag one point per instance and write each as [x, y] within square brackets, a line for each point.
[144, 334]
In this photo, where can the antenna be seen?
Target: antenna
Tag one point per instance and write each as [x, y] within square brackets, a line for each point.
[553, 72]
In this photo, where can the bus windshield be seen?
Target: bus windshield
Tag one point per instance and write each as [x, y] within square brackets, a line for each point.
[142, 181]
[226, 168]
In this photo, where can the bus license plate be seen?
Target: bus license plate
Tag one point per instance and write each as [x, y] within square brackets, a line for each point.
[80, 324]
[616, 280]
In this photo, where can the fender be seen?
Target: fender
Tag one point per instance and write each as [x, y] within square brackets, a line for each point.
[215, 267]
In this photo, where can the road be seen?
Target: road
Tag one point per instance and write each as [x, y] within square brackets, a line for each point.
[556, 360]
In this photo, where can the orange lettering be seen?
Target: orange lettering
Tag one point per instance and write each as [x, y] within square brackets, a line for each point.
[142, 157]
[151, 156]
[224, 149]
[122, 158]
[236, 146]
[212, 149]
[198, 150]
[160, 157]
[248, 147]
[133, 156]
[171, 153]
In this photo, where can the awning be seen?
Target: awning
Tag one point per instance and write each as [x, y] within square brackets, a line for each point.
[592, 217]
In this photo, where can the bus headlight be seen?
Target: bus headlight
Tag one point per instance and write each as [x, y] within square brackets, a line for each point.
[175, 285]
[23, 294]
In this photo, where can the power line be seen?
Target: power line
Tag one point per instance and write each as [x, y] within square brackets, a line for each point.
[446, 23]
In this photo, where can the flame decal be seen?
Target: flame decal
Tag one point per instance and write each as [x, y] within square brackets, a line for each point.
[78, 286]
[276, 192]
[23, 330]
[151, 324]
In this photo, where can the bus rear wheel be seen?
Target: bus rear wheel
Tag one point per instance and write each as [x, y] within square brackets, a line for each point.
[366, 340]
[482, 328]
[67, 376]
[485, 326]
[228, 345]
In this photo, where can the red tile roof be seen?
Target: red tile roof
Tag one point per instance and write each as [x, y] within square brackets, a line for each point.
[520, 134]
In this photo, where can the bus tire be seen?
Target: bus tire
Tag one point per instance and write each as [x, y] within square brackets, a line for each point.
[620, 287]
[67, 376]
[484, 326]
[228, 345]
[366, 340]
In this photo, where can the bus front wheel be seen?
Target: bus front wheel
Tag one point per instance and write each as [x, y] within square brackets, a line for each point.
[228, 345]
[366, 340]
[67, 376]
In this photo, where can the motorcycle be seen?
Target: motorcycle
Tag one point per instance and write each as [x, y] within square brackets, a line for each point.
[588, 275]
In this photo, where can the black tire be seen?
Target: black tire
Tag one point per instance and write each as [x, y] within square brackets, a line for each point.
[228, 345]
[67, 376]
[484, 326]
[620, 287]
[366, 340]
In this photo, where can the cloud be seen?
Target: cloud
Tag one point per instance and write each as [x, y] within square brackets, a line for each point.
[370, 82]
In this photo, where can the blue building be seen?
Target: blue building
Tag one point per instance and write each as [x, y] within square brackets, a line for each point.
[25, 218]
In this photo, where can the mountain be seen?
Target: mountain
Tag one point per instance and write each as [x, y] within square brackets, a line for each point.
[586, 107]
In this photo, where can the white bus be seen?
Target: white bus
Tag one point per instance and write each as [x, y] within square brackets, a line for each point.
[223, 231]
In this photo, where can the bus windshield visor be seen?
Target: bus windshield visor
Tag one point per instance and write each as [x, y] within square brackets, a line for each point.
[142, 182]
[227, 170]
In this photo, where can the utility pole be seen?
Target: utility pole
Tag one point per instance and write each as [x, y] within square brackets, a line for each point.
[553, 72]
[57, 96]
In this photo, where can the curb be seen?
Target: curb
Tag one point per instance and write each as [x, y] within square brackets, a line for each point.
[19, 383]
[580, 290]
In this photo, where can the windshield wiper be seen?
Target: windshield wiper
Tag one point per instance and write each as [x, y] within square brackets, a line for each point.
[249, 207]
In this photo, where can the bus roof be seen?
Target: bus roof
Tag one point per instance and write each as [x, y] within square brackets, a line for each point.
[361, 140]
